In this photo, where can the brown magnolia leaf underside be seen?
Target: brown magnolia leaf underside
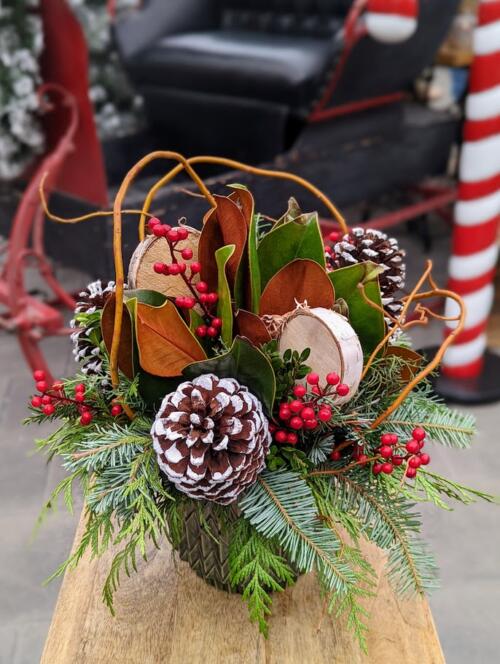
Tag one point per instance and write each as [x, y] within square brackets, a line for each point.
[252, 327]
[222, 226]
[125, 351]
[298, 282]
[166, 345]
[244, 200]
[414, 360]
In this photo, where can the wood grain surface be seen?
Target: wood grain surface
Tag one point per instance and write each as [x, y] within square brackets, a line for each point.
[165, 614]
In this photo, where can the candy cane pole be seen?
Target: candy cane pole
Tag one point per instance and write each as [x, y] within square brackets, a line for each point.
[465, 373]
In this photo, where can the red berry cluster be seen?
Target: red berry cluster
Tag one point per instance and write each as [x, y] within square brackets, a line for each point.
[200, 294]
[411, 454]
[51, 397]
[304, 410]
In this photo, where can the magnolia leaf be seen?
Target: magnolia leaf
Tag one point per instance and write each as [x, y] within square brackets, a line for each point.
[293, 212]
[285, 243]
[299, 281]
[252, 326]
[224, 306]
[254, 285]
[153, 389]
[367, 321]
[244, 200]
[247, 364]
[126, 347]
[223, 225]
[413, 360]
[166, 344]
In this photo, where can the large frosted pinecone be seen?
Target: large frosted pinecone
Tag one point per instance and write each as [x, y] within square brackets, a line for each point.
[372, 245]
[87, 337]
[211, 437]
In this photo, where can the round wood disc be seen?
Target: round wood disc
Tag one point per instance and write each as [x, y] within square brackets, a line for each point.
[155, 249]
[333, 343]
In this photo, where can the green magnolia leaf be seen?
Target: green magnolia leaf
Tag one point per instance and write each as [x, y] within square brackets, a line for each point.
[224, 306]
[253, 267]
[247, 364]
[153, 389]
[154, 298]
[368, 322]
[300, 238]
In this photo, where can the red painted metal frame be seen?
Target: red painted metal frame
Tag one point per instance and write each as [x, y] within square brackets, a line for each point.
[25, 315]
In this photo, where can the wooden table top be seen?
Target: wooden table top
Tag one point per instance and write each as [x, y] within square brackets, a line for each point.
[165, 614]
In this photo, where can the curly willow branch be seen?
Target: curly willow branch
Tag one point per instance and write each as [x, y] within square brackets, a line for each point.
[238, 165]
[400, 323]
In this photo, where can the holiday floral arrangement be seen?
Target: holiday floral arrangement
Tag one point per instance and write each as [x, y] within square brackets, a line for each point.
[251, 396]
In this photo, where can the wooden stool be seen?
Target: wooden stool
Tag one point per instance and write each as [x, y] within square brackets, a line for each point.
[165, 614]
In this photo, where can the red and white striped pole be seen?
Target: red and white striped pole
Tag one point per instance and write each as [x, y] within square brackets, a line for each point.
[477, 211]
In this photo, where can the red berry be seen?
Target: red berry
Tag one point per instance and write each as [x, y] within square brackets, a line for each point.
[195, 267]
[324, 414]
[394, 439]
[217, 322]
[173, 235]
[299, 391]
[39, 375]
[415, 462]
[424, 459]
[203, 298]
[212, 298]
[212, 331]
[397, 460]
[377, 468]
[312, 378]
[201, 286]
[48, 409]
[335, 236]
[36, 401]
[189, 302]
[421, 443]
[362, 459]
[335, 455]
[411, 472]
[80, 397]
[116, 410]
[418, 434]
[386, 451]
[86, 418]
[182, 233]
[307, 413]
[159, 268]
[412, 446]
[387, 468]
[280, 436]
[154, 221]
[46, 399]
[292, 438]
[187, 253]
[174, 269]
[332, 378]
[42, 386]
[182, 267]
[296, 423]
[201, 331]
[296, 406]
[386, 439]
[285, 413]
[80, 388]
[342, 390]
[159, 230]
[310, 424]
[315, 390]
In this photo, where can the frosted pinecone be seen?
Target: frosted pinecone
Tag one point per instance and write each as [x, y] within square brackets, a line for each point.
[211, 437]
[372, 245]
[87, 338]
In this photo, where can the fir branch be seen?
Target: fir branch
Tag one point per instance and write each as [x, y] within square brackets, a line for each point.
[255, 564]
[281, 505]
[388, 521]
[443, 425]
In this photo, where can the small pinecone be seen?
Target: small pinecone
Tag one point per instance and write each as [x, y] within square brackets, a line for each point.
[372, 245]
[211, 438]
[85, 349]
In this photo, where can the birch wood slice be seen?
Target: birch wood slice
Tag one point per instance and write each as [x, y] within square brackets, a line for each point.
[333, 343]
[165, 614]
[155, 249]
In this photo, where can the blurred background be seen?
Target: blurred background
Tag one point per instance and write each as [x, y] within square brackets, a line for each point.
[391, 107]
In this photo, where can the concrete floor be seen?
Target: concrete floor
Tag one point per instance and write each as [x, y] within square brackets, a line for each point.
[466, 541]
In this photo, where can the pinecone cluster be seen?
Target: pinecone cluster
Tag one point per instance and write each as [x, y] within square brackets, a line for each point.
[211, 437]
[372, 245]
[87, 335]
